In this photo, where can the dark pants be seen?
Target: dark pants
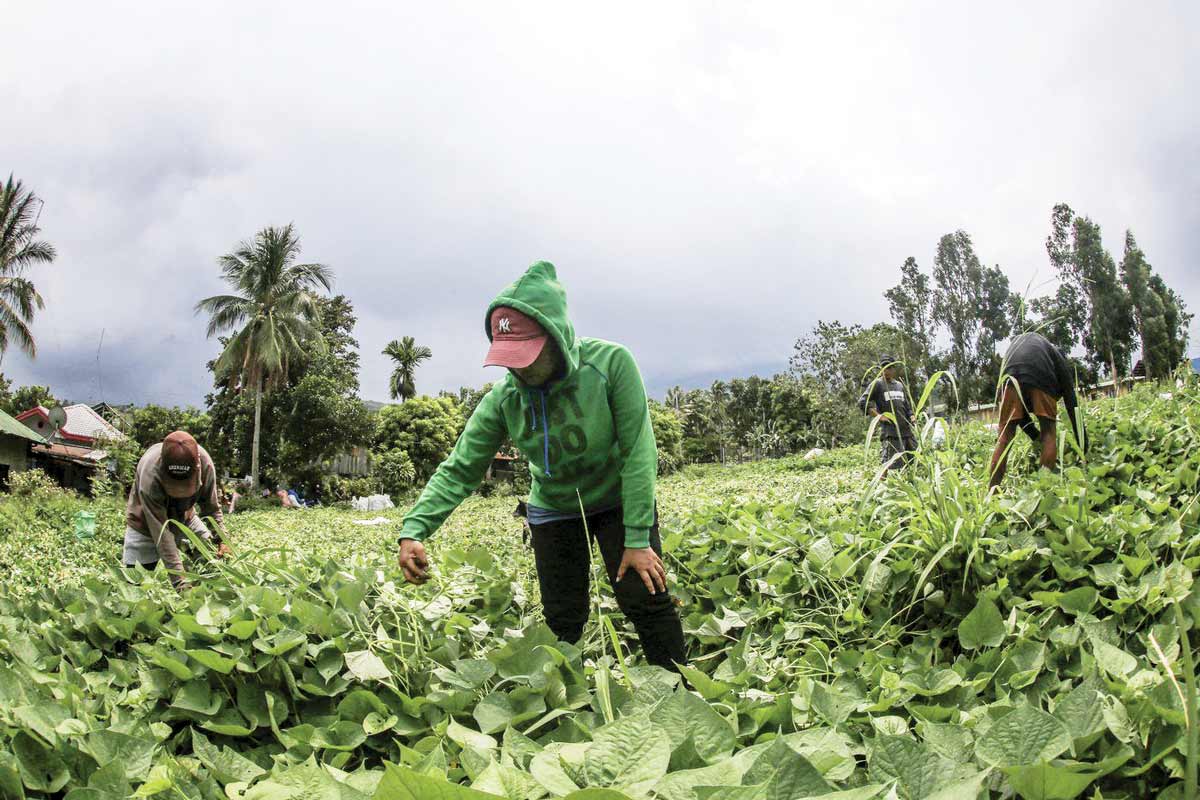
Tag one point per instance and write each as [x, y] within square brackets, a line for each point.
[563, 555]
[151, 566]
[893, 446]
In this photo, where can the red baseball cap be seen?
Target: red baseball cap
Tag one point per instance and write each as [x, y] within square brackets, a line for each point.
[180, 461]
[517, 339]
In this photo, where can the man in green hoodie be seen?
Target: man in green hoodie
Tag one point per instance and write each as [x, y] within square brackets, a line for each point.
[577, 409]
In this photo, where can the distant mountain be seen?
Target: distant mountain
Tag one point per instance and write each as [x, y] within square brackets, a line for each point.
[374, 406]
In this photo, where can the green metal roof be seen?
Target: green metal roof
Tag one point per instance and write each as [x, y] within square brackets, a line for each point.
[11, 427]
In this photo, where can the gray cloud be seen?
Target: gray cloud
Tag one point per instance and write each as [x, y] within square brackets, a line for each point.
[709, 182]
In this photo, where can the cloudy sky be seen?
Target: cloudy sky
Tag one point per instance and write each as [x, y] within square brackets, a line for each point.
[710, 179]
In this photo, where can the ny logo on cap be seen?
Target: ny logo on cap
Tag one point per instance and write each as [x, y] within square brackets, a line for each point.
[504, 326]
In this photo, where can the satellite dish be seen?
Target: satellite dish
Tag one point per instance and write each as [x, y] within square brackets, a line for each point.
[58, 418]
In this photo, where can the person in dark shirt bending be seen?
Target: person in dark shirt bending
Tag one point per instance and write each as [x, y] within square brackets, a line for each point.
[1036, 375]
[886, 398]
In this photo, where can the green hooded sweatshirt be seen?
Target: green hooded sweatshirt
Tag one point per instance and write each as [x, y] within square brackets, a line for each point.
[587, 430]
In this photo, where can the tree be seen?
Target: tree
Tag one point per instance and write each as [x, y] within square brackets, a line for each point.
[1177, 320]
[1060, 317]
[27, 397]
[910, 304]
[315, 417]
[407, 356]
[425, 428]
[668, 437]
[5, 393]
[19, 252]
[275, 315]
[677, 400]
[1077, 252]
[151, 424]
[1149, 313]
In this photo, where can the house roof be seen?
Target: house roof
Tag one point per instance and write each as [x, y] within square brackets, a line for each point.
[11, 427]
[84, 425]
[85, 456]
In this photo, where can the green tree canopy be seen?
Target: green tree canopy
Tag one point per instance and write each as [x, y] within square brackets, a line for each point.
[425, 428]
[273, 315]
[407, 355]
[26, 397]
[20, 250]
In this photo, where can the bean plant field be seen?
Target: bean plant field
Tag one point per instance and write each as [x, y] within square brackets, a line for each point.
[850, 637]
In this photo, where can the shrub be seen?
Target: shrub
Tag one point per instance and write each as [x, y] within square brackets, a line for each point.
[34, 483]
[668, 436]
[394, 472]
[425, 428]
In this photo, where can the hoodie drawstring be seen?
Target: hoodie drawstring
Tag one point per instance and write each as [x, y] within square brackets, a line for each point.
[545, 437]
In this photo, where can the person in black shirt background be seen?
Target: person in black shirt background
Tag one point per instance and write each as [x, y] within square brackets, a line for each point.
[1036, 375]
[886, 396]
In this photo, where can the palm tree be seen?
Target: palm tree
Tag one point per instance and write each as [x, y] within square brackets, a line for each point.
[276, 314]
[407, 355]
[18, 252]
[677, 400]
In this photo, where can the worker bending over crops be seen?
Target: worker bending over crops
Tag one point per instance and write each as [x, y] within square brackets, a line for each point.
[1035, 375]
[172, 478]
[886, 399]
[576, 408]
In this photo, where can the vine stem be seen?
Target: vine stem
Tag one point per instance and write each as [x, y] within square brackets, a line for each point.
[1189, 679]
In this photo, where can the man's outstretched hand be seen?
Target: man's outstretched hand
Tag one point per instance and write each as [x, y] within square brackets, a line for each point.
[646, 563]
[223, 550]
[413, 562]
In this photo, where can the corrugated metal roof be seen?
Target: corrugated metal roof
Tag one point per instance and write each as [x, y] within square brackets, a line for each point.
[79, 455]
[11, 427]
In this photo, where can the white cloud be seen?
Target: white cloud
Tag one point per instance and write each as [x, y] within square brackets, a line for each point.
[710, 182]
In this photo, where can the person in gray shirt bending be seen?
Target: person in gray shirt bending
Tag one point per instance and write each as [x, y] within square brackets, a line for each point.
[172, 479]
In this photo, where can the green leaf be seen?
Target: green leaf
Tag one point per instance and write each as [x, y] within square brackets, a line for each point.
[133, 753]
[197, 697]
[42, 770]
[782, 773]
[301, 782]
[1113, 660]
[282, 642]
[547, 768]
[1063, 780]
[915, 768]
[342, 735]
[684, 717]
[213, 661]
[708, 688]
[366, 666]
[1024, 736]
[965, 789]
[402, 783]
[1082, 711]
[225, 764]
[632, 753]
[168, 662]
[107, 783]
[42, 719]
[983, 627]
[464, 736]
[931, 682]
[11, 786]
[506, 781]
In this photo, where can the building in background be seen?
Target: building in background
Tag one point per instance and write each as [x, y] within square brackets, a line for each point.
[71, 454]
[16, 443]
